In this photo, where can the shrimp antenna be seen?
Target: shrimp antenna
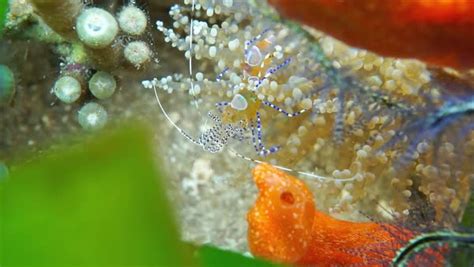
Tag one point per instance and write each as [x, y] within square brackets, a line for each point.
[152, 84]
[283, 168]
[180, 130]
[190, 62]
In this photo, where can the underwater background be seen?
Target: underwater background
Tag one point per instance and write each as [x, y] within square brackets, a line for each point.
[127, 127]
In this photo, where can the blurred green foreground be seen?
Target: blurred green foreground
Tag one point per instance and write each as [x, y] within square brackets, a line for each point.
[101, 203]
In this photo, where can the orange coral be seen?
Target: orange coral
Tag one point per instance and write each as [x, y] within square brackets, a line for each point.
[437, 31]
[284, 226]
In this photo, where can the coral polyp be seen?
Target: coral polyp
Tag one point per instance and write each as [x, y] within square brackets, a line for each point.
[96, 27]
[67, 89]
[137, 53]
[92, 116]
[132, 20]
[102, 85]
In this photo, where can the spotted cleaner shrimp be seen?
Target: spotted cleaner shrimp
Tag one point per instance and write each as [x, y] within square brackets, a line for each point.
[241, 115]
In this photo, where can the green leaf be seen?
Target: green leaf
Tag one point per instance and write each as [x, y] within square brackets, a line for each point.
[3, 14]
[213, 257]
[3, 171]
[101, 203]
[468, 217]
[97, 204]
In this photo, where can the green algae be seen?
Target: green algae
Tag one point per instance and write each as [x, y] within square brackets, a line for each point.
[7, 83]
[100, 203]
[3, 14]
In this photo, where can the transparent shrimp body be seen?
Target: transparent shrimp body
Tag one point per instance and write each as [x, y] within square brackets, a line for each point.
[243, 109]
[257, 60]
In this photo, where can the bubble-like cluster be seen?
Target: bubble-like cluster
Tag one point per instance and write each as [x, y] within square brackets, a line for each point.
[92, 116]
[102, 85]
[137, 53]
[96, 27]
[67, 89]
[93, 43]
[132, 20]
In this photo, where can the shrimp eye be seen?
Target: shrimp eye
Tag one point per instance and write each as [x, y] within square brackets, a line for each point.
[287, 198]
